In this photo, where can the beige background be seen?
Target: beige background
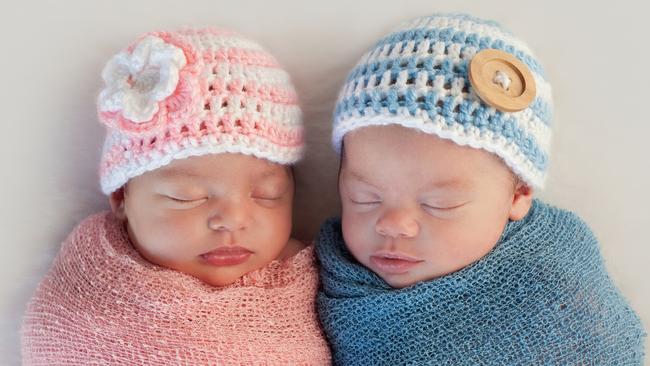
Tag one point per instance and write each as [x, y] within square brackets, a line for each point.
[596, 57]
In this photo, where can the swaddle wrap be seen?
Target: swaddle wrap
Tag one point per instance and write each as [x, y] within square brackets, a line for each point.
[541, 296]
[102, 303]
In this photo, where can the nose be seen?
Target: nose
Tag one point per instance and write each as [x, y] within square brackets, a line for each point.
[397, 223]
[229, 216]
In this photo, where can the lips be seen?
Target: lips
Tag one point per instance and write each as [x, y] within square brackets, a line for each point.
[227, 256]
[393, 262]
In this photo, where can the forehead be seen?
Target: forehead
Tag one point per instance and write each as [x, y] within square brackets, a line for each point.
[383, 144]
[405, 154]
[393, 135]
[220, 166]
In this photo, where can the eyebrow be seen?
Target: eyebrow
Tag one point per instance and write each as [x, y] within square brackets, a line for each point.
[359, 177]
[270, 173]
[448, 183]
[442, 184]
[172, 173]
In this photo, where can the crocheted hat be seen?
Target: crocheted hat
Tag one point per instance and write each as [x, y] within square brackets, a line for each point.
[460, 78]
[172, 95]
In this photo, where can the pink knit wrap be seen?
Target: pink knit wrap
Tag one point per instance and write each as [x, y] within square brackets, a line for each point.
[102, 303]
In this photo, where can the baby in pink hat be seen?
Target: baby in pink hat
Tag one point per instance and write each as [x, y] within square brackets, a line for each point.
[194, 264]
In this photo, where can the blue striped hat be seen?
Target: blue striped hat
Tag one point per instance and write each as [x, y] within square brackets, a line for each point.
[418, 77]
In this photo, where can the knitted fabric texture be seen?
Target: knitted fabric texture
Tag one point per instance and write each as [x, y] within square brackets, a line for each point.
[102, 303]
[172, 95]
[542, 296]
[417, 77]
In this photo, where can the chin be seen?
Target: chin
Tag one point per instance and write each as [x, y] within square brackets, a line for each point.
[220, 282]
[400, 283]
[218, 278]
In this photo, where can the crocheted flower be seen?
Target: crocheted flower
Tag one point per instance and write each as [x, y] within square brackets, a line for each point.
[137, 81]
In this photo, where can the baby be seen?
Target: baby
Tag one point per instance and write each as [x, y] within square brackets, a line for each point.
[442, 255]
[194, 264]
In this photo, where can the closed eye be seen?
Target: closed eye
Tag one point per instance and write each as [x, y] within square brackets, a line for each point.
[267, 198]
[268, 201]
[365, 202]
[269, 191]
[435, 207]
[187, 201]
[441, 208]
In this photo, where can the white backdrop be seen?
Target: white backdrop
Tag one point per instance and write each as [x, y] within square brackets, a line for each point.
[596, 57]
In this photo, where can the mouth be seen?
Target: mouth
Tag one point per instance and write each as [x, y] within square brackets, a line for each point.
[226, 256]
[394, 262]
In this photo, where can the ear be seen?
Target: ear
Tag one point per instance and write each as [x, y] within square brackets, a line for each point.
[117, 202]
[522, 200]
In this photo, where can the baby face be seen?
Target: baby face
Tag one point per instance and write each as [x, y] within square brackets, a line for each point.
[215, 217]
[416, 207]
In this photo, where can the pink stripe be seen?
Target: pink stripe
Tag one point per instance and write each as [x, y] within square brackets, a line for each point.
[285, 137]
[250, 89]
[242, 56]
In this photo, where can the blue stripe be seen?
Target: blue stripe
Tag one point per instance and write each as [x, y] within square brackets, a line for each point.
[448, 36]
[539, 107]
[480, 118]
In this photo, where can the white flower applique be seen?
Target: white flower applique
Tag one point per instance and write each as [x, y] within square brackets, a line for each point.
[137, 81]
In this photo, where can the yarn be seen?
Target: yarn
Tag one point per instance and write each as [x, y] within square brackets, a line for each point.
[542, 296]
[102, 303]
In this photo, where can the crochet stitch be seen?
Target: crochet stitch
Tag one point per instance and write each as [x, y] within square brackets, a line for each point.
[102, 303]
[418, 77]
[172, 95]
[542, 296]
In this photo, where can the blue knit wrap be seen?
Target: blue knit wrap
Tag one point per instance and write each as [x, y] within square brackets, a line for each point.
[542, 296]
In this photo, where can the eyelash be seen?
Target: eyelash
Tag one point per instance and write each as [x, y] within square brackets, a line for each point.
[185, 201]
[425, 206]
[365, 203]
[266, 198]
[441, 208]
[179, 200]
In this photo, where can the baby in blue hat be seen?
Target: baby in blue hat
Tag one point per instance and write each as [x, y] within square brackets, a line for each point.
[442, 255]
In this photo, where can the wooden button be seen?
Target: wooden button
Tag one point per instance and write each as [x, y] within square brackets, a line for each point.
[501, 80]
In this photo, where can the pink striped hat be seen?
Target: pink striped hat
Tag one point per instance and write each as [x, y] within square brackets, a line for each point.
[173, 95]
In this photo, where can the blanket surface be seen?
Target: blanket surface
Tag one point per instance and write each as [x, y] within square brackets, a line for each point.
[542, 296]
[102, 303]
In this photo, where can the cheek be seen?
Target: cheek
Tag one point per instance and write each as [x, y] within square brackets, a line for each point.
[468, 239]
[358, 233]
[489, 221]
[271, 228]
[279, 222]
[169, 235]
